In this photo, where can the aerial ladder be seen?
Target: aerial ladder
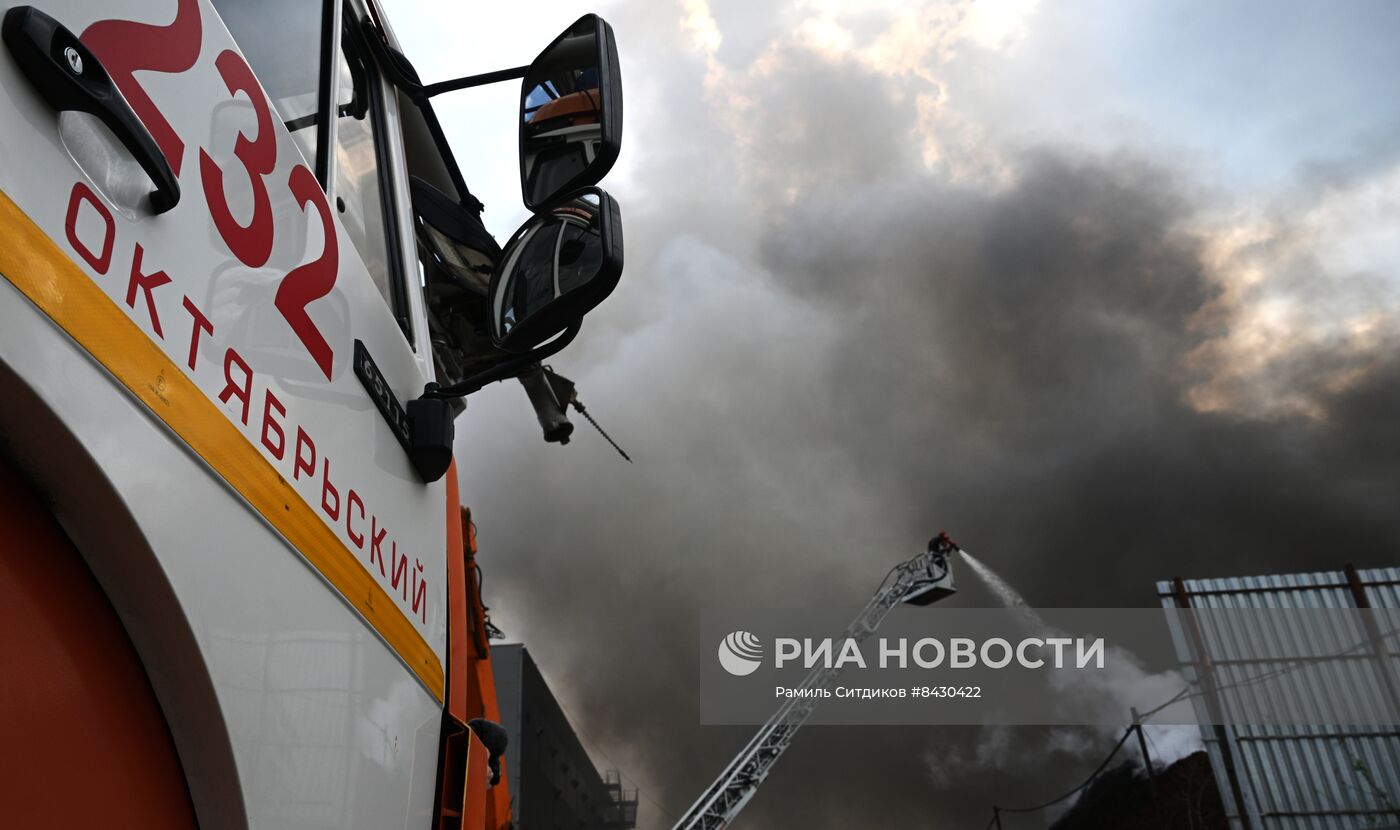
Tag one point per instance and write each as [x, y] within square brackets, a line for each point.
[922, 580]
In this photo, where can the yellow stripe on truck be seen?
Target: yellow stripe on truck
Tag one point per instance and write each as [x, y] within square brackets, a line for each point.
[45, 274]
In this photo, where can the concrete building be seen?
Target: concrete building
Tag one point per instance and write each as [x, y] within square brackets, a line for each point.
[554, 784]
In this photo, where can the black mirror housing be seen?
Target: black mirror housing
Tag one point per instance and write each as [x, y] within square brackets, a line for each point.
[431, 432]
[570, 113]
[559, 266]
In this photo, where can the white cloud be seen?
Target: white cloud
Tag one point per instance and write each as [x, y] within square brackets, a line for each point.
[1309, 298]
[999, 24]
[699, 23]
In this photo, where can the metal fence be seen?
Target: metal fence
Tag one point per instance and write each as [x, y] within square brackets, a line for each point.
[1317, 777]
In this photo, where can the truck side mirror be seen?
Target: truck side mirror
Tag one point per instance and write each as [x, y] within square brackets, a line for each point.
[560, 265]
[570, 113]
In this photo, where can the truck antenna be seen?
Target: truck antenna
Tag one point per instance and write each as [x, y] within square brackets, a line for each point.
[584, 412]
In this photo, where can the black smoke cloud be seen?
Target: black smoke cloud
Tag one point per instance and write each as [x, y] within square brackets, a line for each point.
[1028, 353]
[821, 354]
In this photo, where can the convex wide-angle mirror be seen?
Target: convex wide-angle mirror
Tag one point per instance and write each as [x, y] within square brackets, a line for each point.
[570, 113]
[561, 264]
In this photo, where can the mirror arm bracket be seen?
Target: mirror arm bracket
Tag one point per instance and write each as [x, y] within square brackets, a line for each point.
[400, 71]
[430, 417]
[470, 81]
[503, 371]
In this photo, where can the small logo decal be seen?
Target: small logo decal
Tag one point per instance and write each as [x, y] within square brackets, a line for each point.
[740, 653]
[158, 388]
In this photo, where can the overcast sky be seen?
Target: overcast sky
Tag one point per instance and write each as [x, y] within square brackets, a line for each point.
[1107, 290]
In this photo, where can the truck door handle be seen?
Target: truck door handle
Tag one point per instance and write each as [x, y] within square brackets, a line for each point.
[70, 77]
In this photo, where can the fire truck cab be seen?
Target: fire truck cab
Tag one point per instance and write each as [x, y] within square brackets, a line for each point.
[243, 289]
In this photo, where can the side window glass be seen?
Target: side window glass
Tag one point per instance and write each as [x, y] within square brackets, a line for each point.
[279, 40]
[360, 196]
